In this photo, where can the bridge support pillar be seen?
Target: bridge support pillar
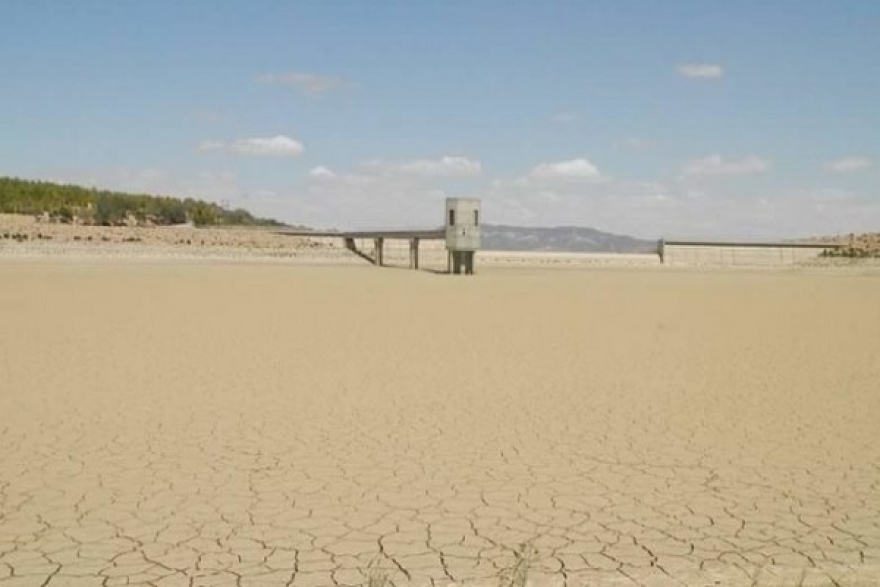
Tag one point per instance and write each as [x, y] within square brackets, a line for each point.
[461, 262]
[378, 251]
[414, 253]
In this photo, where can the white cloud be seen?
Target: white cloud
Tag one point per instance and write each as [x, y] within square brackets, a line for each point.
[565, 117]
[622, 206]
[211, 146]
[715, 165]
[277, 146]
[635, 143]
[380, 193]
[701, 70]
[321, 172]
[206, 116]
[309, 83]
[574, 169]
[443, 167]
[848, 164]
[674, 210]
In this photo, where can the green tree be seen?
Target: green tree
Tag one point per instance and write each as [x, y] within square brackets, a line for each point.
[18, 196]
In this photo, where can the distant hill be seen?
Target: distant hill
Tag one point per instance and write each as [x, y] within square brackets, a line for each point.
[75, 204]
[563, 238]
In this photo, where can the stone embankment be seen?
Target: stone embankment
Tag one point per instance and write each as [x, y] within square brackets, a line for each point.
[28, 236]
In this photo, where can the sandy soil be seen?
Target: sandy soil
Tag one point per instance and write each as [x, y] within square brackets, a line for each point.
[253, 424]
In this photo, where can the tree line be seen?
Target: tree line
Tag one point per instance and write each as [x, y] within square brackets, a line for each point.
[66, 203]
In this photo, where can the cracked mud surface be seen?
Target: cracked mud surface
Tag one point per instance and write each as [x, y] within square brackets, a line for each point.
[263, 425]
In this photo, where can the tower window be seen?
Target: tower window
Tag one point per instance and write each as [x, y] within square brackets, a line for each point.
[452, 218]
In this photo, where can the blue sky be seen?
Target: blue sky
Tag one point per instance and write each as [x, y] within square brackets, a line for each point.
[693, 118]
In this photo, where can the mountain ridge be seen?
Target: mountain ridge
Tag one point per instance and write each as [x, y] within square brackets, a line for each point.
[569, 239]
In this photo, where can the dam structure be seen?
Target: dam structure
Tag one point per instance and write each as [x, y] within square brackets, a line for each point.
[681, 252]
[461, 231]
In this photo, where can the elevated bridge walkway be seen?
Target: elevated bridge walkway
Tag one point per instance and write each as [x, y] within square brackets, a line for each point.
[379, 236]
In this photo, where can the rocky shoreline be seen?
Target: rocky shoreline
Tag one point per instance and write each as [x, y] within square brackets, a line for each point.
[25, 236]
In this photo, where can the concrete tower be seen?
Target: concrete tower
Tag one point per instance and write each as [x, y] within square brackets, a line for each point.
[462, 233]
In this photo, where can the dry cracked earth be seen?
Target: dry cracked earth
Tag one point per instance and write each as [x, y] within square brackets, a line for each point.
[246, 425]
